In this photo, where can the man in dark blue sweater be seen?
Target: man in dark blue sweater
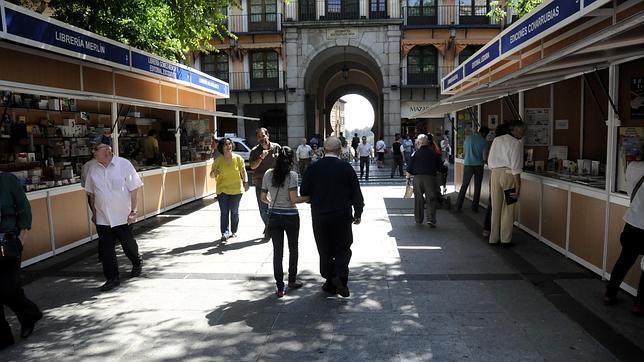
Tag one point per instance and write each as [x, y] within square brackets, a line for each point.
[334, 190]
[424, 165]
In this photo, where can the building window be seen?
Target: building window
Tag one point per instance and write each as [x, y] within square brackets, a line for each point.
[264, 69]
[215, 65]
[377, 9]
[421, 66]
[342, 9]
[474, 11]
[468, 52]
[421, 12]
[263, 15]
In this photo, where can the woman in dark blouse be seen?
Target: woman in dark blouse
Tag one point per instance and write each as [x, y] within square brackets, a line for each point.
[15, 220]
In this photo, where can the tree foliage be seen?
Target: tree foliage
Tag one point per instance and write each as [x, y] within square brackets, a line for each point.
[168, 28]
[498, 9]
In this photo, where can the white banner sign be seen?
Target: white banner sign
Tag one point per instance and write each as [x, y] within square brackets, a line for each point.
[413, 109]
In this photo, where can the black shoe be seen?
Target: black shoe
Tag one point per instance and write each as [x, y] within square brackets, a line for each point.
[610, 300]
[508, 245]
[136, 271]
[28, 328]
[295, 285]
[109, 285]
[329, 288]
[340, 287]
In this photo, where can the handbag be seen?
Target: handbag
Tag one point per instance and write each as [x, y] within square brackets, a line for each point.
[270, 213]
[9, 247]
[409, 189]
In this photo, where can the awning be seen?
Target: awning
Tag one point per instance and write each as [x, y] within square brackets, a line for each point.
[594, 41]
[230, 115]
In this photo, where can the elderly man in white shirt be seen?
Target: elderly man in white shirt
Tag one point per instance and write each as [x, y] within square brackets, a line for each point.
[112, 184]
[506, 162]
[303, 156]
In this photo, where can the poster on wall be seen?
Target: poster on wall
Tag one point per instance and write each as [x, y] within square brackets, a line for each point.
[629, 148]
[637, 98]
[538, 122]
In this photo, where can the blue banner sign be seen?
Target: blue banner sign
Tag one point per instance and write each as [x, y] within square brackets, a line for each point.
[159, 66]
[539, 22]
[38, 30]
[487, 55]
[588, 3]
[209, 82]
[453, 78]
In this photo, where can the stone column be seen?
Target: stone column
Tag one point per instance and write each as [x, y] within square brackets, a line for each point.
[295, 93]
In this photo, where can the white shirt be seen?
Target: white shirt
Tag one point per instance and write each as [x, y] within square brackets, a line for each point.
[111, 187]
[635, 213]
[506, 151]
[303, 151]
[380, 146]
[364, 150]
[86, 167]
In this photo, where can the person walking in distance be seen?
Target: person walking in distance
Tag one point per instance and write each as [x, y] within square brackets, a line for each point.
[112, 184]
[506, 162]
[475, 147]
[334, 191]
[423, 166]
[381, 147]
[365, 152]
[15, 220]
[408, 148]
[632, 237]
[303, 156]
[262, 157]
[355, 141]
[279, 192]
[397, 153]
[229, 172]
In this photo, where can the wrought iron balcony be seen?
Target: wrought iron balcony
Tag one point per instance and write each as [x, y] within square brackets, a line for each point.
[445, 15]
[333, 10]
[411, 77]
[259, 80]
[255, 23]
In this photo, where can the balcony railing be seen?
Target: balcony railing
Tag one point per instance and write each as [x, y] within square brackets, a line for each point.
[425, 79]
[418, 16]
[333, 10]
[265, 80]
[255, 23]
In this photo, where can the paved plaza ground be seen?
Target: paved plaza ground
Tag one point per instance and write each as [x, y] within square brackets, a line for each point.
[417, 294]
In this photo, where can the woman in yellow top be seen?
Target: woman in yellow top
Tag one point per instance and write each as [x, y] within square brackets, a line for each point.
[230, 174]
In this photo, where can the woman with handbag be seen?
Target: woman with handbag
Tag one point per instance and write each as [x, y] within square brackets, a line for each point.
[230, 173]
[279, 191]
[15, 220]
[632, 237]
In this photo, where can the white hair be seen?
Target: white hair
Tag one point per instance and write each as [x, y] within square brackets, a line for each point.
[422, 139]
[332, 145]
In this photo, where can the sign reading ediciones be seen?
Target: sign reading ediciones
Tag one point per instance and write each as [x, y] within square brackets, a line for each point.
[210, 83]
[32, 28]
[159, 66]
[489, 54]
[453, 78]
[542, 20]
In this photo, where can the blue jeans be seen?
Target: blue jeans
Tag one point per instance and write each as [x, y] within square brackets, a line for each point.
[263, 208]
[229, 207]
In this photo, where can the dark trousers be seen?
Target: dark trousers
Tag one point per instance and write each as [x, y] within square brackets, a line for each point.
[229, 210]
[333, 237]
[426, 192]
[107, 237]
[279, 225]
[364, 162]
[469, 171]
[13, 296]
[398, 163]
[632, 240]
[303, 164]
[263, 207]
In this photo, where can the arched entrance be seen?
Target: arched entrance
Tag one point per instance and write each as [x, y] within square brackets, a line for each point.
[337, 71]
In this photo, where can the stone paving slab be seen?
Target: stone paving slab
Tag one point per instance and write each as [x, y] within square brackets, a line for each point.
[417, 294]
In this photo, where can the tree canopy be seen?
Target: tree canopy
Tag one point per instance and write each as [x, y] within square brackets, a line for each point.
[498, 9]
[168, 28]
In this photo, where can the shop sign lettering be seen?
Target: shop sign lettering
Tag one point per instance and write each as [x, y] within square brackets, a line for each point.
[487, 55]
[539, 22]
[453, 78]
[159, 66]
[341, 33]
[39, 30]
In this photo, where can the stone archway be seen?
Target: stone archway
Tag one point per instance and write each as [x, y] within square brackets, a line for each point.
[372, 97]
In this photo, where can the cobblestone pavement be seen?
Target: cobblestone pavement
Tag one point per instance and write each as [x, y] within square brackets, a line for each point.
[417, 294]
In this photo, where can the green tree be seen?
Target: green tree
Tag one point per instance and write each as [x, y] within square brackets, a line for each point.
[168, 28]
[498, 9]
